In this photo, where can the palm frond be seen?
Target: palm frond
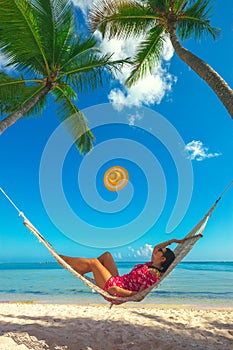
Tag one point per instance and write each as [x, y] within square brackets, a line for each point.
[120, 19]
[57, 18]
[148, 55]
[77, 47]
[21, 100]
[89, 71]
[74, 119]
[160, 6]
[20, 39]
[38, 108]
[15, 92]
[178, 6]
[9, 88]
[195, 21]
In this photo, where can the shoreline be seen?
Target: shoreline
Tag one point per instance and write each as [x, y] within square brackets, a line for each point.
[96, 299]
[136, 326]
[197, 306]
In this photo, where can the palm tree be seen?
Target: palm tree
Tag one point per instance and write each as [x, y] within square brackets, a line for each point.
[40, 42]
[155, 19]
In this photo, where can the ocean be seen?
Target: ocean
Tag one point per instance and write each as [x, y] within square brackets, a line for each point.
[192, 283]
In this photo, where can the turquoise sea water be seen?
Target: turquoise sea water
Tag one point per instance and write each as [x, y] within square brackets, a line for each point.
[202, 283]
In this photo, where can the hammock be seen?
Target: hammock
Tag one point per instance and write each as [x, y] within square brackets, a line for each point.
[180, 252]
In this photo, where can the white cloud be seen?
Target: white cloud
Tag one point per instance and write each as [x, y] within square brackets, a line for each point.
[118, 255]
[195, 150]
[142, 252]
[84, 5]
[149, 90]
[3, 61]
[133, 117]
[3, 64]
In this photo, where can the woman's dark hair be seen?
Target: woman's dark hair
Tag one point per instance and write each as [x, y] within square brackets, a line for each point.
[170, 256]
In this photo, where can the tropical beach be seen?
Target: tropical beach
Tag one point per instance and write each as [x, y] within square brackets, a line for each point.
[47, 308]
[96, 327]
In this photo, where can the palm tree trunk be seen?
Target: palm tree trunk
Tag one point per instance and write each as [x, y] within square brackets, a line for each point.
[12, 118]
[207, 73]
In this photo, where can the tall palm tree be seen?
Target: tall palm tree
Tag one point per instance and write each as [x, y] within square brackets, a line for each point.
[155, 19]
[39, 40]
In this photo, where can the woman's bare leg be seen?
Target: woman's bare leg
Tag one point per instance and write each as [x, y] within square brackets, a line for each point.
[100, 272]
[83, 265]
[107, 260]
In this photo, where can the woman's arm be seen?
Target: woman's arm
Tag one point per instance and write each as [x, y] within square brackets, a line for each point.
[121, 291]
[166, 243]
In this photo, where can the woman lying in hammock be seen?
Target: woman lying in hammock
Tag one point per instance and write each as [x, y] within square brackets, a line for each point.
[142, 275]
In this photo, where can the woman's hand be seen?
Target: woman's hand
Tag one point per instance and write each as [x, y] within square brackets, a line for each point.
[165, 244]
[140, 298]
[181, 241]
[112, 290]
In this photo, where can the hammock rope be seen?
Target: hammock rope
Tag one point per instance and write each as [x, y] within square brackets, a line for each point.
[180, 252]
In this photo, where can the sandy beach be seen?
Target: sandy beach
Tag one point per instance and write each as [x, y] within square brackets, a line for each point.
[96, 327]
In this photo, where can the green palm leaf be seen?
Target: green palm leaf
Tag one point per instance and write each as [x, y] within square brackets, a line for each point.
[148, 55]
[25, 96]
[57, 17]
[178, 18]
[162, 7]
[25, 51]
[194, 21]
[38, 108]
[9, 89]
[40, 39]
[15, 92]
[89, 70]
[120, 19]
[76, 48]
[75, 120]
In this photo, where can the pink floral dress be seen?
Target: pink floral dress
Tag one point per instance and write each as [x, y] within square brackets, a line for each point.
[139, 276]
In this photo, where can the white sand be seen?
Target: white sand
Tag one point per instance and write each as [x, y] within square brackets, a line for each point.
[130, 326]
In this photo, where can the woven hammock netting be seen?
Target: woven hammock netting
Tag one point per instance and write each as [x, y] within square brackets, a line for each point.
[180, 252]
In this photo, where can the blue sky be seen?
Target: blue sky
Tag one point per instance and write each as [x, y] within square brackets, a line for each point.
[172, 135]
